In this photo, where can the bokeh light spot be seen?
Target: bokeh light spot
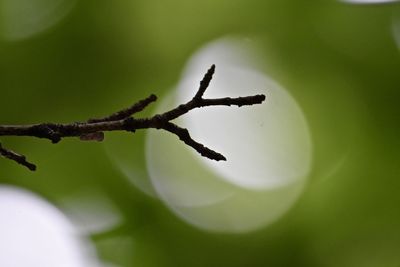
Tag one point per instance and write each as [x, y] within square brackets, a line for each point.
[396, 31]
[21, 19]
[36, 234]
[369, 1]
[268, 147]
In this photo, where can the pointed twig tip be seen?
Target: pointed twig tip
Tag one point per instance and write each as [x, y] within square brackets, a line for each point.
[31, 167]
[261, 98]
[205, 82]
[210, 72]
[221, 158]
[123, 120]
[18, 158]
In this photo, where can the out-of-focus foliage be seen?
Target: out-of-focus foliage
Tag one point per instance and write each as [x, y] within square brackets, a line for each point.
[66, 61]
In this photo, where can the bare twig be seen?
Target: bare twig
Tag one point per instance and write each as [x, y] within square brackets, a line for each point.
[93, 129]
[127, 112]
[20, 159]
[205, 82]
[184, 135]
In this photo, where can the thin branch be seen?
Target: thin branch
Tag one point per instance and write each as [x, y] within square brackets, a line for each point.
[127, 112]
[119, 115]
[184, 135]
[205, 82]
[201, 102]
[20, 159]
[93, 129]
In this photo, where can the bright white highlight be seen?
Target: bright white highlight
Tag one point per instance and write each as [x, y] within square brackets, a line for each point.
[396, 31]
[268, 147]
[21, 19]
[265, 144]
[369, 1]
[33, 233]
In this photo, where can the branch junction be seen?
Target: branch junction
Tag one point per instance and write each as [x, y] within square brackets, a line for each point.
[123, 120]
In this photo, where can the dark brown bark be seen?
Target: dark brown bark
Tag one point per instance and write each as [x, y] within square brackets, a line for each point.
[93, 129]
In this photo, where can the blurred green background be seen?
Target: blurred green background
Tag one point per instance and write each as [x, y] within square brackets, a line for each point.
[78, 59]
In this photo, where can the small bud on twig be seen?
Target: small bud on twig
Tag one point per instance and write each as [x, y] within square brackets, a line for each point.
[93, 129]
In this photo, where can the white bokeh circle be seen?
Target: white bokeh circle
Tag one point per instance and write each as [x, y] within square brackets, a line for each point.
[21, 19]
[369, 1]
[268, 147]
[396, 30]
[36, 234]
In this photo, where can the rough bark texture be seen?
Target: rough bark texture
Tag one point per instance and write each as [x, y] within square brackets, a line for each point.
[93, 129]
